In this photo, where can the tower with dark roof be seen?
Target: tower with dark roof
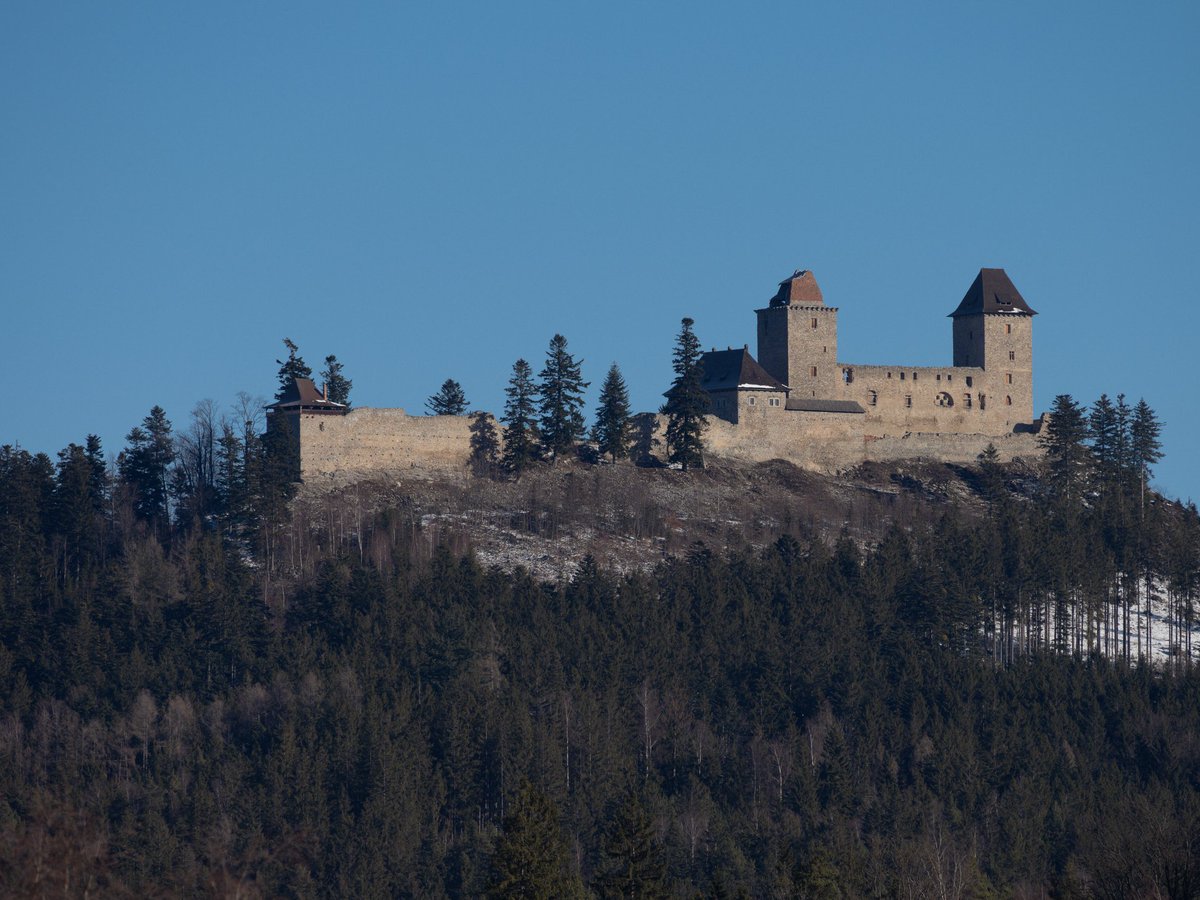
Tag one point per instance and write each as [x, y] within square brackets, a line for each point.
[797, 338]
[993, 331]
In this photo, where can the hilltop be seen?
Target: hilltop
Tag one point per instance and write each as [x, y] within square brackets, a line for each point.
[631, 518]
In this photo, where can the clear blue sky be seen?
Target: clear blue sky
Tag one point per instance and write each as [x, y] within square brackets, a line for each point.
[432, 190]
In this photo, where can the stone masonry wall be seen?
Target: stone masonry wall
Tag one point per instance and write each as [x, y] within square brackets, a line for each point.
[903, 399]
[834, 442]
[373, 441]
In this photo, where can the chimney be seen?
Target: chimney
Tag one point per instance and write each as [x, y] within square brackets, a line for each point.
[324, 391]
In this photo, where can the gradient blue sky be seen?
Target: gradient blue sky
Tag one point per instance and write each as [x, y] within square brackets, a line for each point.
[433, 192]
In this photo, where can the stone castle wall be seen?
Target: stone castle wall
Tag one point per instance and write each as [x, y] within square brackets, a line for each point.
[369, 441]
[834, 442]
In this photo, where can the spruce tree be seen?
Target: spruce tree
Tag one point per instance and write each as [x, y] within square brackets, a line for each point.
[1063, 441]
[530, 859]
[634, 867]
[1144, 439]
[687, 402]
[1103, 434]
[560, 393]
[290, 368]
[448, 401]
[611, 431]
[145, 465]
[337, 385]
[485, 444]
[520, 436]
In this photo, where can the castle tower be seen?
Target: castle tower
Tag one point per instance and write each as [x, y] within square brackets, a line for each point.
[797, 338]
[993, 331]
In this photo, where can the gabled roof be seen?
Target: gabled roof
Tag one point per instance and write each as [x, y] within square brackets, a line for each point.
[799, 290]
[992, 292]
[303, 394]
[729, 370]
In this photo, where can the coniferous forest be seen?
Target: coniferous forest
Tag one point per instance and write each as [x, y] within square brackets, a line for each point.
[956, 707]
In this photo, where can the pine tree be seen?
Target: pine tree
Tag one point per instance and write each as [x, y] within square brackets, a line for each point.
[530, 860]
[290, 368]
[1144, 438]
[231, 476]
[1063, 441]
[337, 385]
[145, 465]
[560, 393]
[448, 401]
[634, 865]
[990, 474]
[611, 431]
[520, 436]
[687, 402]
[1103, 434]
[100, 479]
[485, 444]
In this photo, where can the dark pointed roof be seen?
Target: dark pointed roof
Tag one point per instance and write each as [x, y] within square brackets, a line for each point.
[992, 292]
[799, 290]
[728, 370]
[303, 394]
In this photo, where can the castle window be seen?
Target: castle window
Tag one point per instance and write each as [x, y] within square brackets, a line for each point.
[1012, 354]
[812, 370]
[847, 375]
[944, 399]
[872, 397]
[750, 401]
[1008, 328]
[914, 376]
[938, 376]
[967, 400]
[949, 377]
[901, 376]
[889, 374]
[825, 349]
[774, 401]
[982, 402]
[814, 321]
[908, 400]
[1008, 401]
[969, 381]
[1008, 377]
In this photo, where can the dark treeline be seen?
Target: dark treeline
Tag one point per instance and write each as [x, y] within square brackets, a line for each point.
[202, 697]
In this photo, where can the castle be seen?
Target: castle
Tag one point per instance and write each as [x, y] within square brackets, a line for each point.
[797, 401]
[987, 390]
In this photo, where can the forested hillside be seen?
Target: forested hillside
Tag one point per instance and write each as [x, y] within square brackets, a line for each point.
[199, 698]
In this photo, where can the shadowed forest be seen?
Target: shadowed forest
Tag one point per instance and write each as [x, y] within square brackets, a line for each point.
[953, 707]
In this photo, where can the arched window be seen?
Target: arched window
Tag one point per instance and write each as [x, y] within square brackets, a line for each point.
[944, 399]
[872, 398]
[1008, 401]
